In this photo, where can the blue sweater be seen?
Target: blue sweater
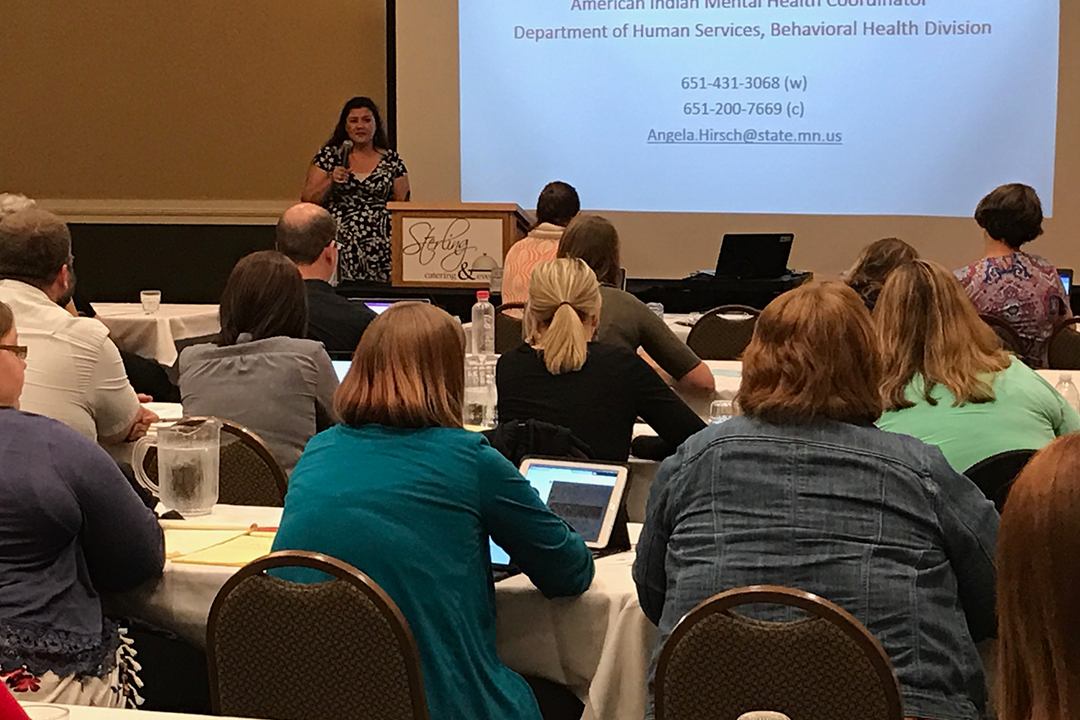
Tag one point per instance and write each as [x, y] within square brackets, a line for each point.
[70, 527]
[413, 509]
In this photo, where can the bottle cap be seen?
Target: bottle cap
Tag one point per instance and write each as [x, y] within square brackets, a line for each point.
[482, 294]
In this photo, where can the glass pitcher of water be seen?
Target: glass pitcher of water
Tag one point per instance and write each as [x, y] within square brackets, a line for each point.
[187, 457]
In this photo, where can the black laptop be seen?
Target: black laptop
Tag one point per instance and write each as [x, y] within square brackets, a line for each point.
[757, 256]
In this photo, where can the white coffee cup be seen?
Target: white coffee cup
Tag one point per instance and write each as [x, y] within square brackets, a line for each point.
[151, 301]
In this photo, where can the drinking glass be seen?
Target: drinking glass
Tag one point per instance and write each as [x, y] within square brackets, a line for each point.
[151, 301]
[722, 411]
[45, 711]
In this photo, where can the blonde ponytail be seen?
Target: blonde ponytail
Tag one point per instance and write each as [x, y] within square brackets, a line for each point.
[563, 295]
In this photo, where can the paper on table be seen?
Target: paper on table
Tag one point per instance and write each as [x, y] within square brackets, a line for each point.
[165, 411]
[232, 553]
[184, 541]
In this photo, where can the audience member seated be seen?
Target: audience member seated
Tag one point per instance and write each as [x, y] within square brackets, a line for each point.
[593, 389]
[72, 528]
[877, 260]
[1038, 591]
[146, 376]
[307, 235]
[804, 491]
[1022, 289]
[948, 382]
[405, 494]
[626, 320]
[263, 373]
[74, 373]
[555, 208]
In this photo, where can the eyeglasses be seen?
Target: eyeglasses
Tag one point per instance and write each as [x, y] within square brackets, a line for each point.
[18, 350]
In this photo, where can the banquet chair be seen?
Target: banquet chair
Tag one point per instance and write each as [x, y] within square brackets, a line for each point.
[507, 328]
[824, 665]
[1063, 348]
[1010, 339]
[339, 648]
[248, 473]
[995, 475]
[723, 333]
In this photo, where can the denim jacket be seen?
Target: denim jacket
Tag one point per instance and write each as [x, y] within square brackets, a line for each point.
[876, 522]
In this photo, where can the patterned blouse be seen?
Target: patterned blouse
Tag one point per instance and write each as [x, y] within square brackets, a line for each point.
[359, 205]
[538, 246]
[1022, 289]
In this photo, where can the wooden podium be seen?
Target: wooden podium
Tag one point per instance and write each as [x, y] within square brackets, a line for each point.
[451, 244]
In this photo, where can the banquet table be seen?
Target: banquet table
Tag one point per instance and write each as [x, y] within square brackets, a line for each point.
[680, 323]
[597, 644]
[154, 335]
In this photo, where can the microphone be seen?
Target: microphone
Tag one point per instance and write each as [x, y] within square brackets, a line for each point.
[346, 151]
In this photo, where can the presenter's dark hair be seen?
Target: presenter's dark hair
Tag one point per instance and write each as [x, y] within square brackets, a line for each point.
[1012, 214]
[339, 136]
[595, 240]
[558, 204]
[34, 246]
[264, 297]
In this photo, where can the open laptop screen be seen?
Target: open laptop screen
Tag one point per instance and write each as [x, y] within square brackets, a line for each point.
[380, 305]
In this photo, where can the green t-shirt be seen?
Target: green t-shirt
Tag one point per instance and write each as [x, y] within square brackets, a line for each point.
[1027, 414]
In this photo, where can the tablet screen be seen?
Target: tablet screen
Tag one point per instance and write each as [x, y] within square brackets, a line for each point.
[578, 493]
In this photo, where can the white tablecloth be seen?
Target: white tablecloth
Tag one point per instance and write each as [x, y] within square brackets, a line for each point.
[597, 644]
[154, 336]
[680, 324]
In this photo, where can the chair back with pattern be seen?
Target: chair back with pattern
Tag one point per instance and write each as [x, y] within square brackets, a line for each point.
[1063, 348]
[508, 332]
[248, 473]
[1010, 339]
[723, 333]
[824, 666]
[292, 651]
[995, 475]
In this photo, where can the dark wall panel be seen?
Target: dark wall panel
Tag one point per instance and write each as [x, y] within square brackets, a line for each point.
[188, 263]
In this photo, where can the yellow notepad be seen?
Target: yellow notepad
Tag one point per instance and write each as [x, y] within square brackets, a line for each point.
[184, 541]
[235, 552]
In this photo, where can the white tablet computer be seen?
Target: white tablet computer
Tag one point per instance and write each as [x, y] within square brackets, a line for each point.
[585, 494]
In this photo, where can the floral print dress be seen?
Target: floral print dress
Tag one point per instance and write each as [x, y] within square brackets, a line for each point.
[359, 206]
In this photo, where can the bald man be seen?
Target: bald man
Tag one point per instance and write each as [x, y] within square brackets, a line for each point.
[307, 235]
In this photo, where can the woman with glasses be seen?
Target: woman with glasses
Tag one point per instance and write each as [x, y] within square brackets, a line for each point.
[71, 528]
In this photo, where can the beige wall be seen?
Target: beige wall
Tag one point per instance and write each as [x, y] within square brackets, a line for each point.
[201, 100]
[673, 245]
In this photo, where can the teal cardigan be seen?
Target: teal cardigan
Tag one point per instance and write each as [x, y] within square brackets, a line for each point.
[413, 508]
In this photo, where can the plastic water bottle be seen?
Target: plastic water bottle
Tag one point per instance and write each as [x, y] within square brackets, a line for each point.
[483, 325]
[481, 398]
[1068, 390]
